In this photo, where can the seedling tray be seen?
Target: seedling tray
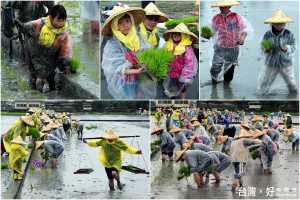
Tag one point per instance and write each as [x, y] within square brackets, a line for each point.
[135, 170]
[84, 171]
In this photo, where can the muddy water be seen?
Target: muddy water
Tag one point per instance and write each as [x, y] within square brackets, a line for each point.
[244, 83]
[63, 183]
[164, 183]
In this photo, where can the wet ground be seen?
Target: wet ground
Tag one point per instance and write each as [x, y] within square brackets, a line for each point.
[244, 83]
[175, 10]
[284, 180]
[85, 47]
[45, 182]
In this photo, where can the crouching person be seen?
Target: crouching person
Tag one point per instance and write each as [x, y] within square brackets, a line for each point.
[167, 143]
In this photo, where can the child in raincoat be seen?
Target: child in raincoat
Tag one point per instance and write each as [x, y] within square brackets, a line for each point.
[158, 116]
[230, 31]
[120, 55]
[111, 155]
[16, 156]
[184, 65]
[49, 47]
[280, 58]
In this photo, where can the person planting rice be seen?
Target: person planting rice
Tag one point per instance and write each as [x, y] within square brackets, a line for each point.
[256, 122]
[148, 28]
[111, 155]
[158, 116]
[119, 56]
[225, 143]
[79, 128]
[293, 136]
[35, 118]
[50, 47]
[279, 54]
[199, 129]
[179, 137]
[167, 143]
[229, 30]
[184, 65]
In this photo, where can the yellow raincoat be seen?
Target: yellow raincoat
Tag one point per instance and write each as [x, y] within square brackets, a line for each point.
[36, 121]
[16, 157]
[111, 154]
[176, 116]
[18, 129]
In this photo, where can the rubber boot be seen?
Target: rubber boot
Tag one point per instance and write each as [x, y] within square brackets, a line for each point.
[228, 76]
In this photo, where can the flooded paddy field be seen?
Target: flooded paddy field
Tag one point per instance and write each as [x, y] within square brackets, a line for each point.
[48, 183]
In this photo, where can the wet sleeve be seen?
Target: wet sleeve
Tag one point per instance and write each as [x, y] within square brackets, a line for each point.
[291, 45]
[188, 66]
[23, 152]
[248, 142]
[65, 52]
[32, 26]
[245, 27]
[191, 161]
[95, 143]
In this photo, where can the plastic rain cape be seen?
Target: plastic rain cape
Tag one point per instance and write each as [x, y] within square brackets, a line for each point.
[18, 129]
[16, 157]
[278, 62]
[111, 154]
[114, 63]
[53, 148]
[167, 142]
[223, 48]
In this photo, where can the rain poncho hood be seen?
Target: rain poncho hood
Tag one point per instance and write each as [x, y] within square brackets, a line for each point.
[180, 48]
[16, 156]
[111, 154]
[150, 37]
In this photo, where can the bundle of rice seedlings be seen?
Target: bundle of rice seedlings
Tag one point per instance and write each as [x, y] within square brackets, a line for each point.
[174, 22]
[155, 62]
[157, 142]
[253, 148]
[185, 170]
[45, 156]
[284, 44]
[267, 45]
[30, 146]
[153, 147]
[34, 132]
[210, 169]
[4, 166]
[206, 32]
[281, 130]
[254, 154]
[194, 30]
[74, 64]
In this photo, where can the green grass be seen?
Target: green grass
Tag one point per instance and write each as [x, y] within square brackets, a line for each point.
[74, 63]
[13, 113]
[284, 44]
[254, 154]
[206, 31]
[174, 22]
[45, 156]
[267, 44]
[253, 148]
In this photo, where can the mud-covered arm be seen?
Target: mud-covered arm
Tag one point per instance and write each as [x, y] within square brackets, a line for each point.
[31, 27]
[65, 53]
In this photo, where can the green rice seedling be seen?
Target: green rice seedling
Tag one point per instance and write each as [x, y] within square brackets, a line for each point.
[254, 154]
[267, 45]
[157, 142]
[30, 146]
[34, 132]
[194, 30]
[206, 31]
[89, 52]
[130, 167]
[281, 130]
[153, 147]
[210, 170]
[45, 156]
[4, 166]
[185, 170]
[174, 22]
[253, 148]
[24, 159]
[90, 127]
[74, 64]
[155, 62]
[284, 44]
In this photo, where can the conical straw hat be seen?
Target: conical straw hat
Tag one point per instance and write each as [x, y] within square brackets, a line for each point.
[186, 145]
[178, 154]
[110, 135]
[245, 124]
[258, 133]
[225, 3]
[221, 131]
[42, 135]
[209, 127]
[38, 144]
[46, 128]
[255, 118]
[180, 28]
[32, 110]
[175, 129]
[266, 126]
[288, 115]
[288, 132]
[192, 138]
[243, 134]
[138, 16]
[156, 129]
[28, 120]
[196, 123]
[193, 119]
[151, 9]
[278, 18]
[18, 140]
[222, 139]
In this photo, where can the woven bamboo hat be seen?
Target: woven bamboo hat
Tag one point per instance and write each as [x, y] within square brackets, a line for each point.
[209, 127]
[288, 115]
[33, 110]
[192, 138]
[155, 130]
[255, 118]
[175, 129]
[47, 128]
[27, 120]
[196, 123]
[180, 28]
[221, 131]
[245, 124]
[178, 154]
[278, 18]
[38, 144]
[55, 125]
[42, 135]
[251, 113]
[266, 126]
[284, 119]
[18, 140]
[138, 16]
[258, 133]
[193, 119]
[196, 3]
[186, 145]
[110, 135]
[225, 3]
[58, 116]
[265, 115]
[243, 134]
[222, 139]
[151, 9]
[288, 132]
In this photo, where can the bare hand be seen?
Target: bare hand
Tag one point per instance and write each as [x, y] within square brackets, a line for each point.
[42, 153]
[139, 151]
[180, 177]
[67, 70]
[193, 24]
[141, 70]
[84, 140]
[284, 48]
[241, 41]
[95, 26]
[266, 144]
[205, 36]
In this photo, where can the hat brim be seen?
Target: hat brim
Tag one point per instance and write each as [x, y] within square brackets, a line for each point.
[138, 16]
[162, 17]
[225, 4]
[167, 34]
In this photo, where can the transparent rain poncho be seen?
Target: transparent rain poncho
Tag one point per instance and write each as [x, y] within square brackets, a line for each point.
[198, 160]
[269, 154]
[180, 138]
[200, 130]
[16, 156]
[18, 129]
[116, 58]
[224, 47]
[57, 134]
[62, 133]
[189, 64]
[53, 148]
[278, 62]
[89, 10]
[111, 154]
[167, 142]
